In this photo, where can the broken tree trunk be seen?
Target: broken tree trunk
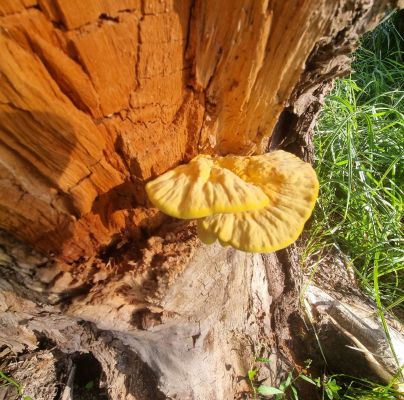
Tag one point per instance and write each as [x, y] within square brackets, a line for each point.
[97, 98]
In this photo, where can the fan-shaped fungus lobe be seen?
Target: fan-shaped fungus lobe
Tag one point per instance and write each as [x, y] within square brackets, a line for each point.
[201, 188]
[224, 191]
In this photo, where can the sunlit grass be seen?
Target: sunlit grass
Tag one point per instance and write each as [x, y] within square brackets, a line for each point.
[359, 142]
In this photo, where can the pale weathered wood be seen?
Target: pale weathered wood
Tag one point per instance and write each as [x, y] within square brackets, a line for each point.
[195, 338]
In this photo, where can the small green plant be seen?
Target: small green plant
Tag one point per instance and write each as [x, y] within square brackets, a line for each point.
[288, 388]
[258, 389]
[332, 387]
[89, 385]
[8, 381]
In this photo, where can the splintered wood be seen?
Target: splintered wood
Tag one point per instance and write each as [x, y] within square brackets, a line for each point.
[98, 97]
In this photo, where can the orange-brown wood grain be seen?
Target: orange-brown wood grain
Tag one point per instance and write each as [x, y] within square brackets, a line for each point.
[98, 97]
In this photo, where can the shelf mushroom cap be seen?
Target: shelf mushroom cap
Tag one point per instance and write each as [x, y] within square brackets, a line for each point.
[202, 188]
[292, 188]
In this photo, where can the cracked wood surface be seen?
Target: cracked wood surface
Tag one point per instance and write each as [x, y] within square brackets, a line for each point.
[195, 334]
[97, 98]
[149, 340]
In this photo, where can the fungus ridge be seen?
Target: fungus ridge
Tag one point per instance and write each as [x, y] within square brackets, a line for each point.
[202, 188]
[292, 188]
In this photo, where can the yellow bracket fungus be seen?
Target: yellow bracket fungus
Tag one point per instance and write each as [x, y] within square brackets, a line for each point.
[205, 188]
[201, 188]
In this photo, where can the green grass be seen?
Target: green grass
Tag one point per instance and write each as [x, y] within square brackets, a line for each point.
[359, 142]
[16, 391]
[333, 387]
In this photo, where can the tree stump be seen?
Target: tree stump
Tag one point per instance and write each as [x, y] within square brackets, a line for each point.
[96, 99]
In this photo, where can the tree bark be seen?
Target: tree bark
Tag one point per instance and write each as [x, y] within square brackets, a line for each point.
[99, 97]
